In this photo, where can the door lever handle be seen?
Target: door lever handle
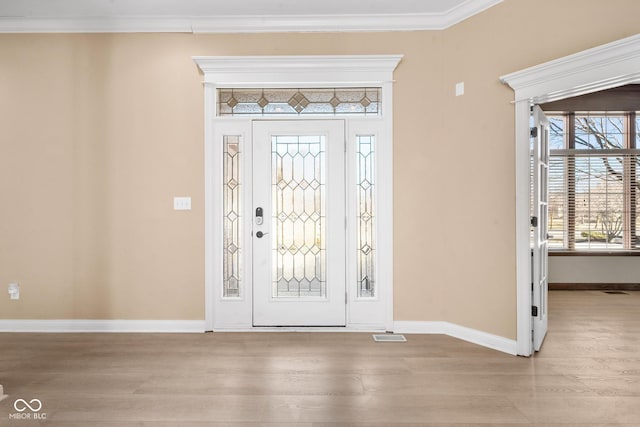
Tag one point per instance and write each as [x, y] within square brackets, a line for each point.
[259, 234]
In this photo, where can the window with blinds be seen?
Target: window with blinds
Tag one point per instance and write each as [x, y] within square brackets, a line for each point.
[594, 182]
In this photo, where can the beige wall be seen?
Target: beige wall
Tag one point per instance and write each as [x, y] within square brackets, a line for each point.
[99, 132]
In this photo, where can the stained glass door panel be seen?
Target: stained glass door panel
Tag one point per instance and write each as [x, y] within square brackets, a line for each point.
[298, 227]
[298, 188]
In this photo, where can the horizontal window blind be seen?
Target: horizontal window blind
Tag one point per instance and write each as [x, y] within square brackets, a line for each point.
[593, 199]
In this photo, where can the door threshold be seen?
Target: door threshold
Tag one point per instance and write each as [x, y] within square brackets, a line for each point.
[363, 328]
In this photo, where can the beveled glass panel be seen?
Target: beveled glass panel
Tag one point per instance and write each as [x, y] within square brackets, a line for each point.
[298, 216]
[365, 239]
[232, 211]
[298, 101]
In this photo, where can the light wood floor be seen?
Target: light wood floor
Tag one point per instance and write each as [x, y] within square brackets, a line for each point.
[587, 374]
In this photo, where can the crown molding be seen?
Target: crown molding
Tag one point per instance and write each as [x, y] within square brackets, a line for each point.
[95, 25]
[609, 65]
[249, 23]
[464, 11]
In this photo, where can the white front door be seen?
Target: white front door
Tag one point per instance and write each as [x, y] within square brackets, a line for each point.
[299, 223]
[539, 225]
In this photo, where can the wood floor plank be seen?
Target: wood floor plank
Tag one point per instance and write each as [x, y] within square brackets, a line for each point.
[628, 385]
[587, 409]
[466, 385]
[496, 364]
[254, 384]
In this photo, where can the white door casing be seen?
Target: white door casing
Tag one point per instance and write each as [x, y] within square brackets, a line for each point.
[540, 241]
[603, 67]
[299, 241]
[224, 313]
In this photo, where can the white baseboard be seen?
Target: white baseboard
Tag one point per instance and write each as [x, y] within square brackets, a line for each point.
[196, 326]
[77, 325]
[484, 339]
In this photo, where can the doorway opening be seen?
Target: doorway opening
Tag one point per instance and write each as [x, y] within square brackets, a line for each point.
[604, 67]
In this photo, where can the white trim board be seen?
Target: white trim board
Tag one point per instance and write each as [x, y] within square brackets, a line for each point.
[79, 325]
[474, 336]
[293, 70]
[603, 67]
[225, 23]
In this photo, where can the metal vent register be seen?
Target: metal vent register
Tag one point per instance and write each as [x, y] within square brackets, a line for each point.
[389, 338]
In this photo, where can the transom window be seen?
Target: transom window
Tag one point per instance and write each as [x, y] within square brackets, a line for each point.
[594, 182]
[302, 101]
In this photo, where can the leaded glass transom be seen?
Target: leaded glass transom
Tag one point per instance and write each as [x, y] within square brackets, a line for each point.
[366, 246]
[304, 101]
[298, 191]
[232, 208]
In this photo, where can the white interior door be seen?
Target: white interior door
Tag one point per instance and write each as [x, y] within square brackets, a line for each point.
[539, 223]
[299, 223]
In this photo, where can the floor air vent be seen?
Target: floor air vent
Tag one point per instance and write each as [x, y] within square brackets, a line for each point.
[389, 338]
[616, 293]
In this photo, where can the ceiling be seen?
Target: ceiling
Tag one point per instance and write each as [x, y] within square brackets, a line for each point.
[233, 15]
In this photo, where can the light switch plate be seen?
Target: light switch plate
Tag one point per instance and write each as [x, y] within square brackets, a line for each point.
[182, 203]
[14, 292]
[460, 89]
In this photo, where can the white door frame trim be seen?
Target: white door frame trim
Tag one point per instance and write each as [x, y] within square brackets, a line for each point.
[299, 71]
[603, 67]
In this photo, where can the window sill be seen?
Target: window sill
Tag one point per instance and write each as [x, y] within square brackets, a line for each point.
[595, 253]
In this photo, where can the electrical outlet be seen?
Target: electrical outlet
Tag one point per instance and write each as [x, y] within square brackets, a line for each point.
[14, 290]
